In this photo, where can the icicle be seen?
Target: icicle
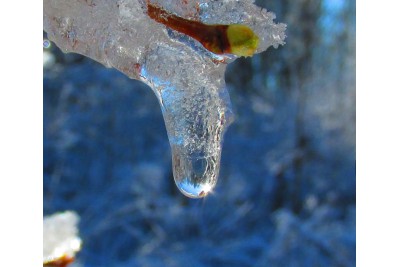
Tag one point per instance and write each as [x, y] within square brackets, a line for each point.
[187, 78]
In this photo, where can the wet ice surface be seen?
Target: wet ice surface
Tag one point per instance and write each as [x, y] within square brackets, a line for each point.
[187, 79]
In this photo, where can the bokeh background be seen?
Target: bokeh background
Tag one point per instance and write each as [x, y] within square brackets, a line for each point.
[286, 191]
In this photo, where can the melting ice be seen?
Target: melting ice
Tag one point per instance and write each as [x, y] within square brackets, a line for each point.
[187, 79]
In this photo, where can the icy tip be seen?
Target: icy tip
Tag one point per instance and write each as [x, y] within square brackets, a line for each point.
[194, 189]
[195, 177]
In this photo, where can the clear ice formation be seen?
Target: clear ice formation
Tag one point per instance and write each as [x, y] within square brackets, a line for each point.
[187, 79]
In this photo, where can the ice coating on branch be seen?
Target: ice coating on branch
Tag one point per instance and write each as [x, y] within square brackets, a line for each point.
[187, 79]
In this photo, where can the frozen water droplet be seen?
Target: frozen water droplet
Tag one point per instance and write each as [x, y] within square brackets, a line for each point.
[46, 44]
[195, 176]
[196, 113]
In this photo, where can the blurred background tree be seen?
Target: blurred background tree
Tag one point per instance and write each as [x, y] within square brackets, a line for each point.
[286, 192]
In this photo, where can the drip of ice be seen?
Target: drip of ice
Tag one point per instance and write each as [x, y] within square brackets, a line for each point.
[187, 79]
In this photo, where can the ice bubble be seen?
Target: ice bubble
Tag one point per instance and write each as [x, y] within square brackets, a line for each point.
[46, 44]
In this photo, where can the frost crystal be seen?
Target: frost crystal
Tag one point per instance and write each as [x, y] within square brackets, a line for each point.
[60, 237]
[187, 79]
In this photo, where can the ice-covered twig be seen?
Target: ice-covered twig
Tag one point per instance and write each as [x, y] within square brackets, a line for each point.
[187, 78]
